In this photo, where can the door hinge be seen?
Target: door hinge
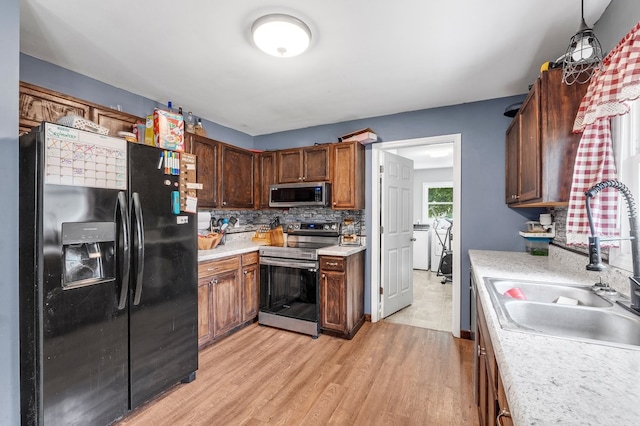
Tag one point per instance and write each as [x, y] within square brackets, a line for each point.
[381, 291]
[382, 229]
[381, 168]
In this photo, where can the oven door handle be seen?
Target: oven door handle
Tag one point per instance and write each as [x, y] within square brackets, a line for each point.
[288, 263]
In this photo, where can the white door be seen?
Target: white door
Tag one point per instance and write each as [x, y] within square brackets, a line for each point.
[397, 231]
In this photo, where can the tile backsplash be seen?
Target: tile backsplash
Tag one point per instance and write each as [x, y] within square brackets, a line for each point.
[250, 220]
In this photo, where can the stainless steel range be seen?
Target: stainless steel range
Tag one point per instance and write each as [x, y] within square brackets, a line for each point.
[289, 279]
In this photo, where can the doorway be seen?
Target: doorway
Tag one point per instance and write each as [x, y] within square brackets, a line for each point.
[376, 161]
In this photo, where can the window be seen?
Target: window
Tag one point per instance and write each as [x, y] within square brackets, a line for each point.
[437, 200]
[625, 134]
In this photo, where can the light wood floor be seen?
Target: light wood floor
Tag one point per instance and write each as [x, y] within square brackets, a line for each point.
[388, 374]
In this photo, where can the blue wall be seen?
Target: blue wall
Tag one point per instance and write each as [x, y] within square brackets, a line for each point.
[9, 355]
[487, 223]
[56, 78]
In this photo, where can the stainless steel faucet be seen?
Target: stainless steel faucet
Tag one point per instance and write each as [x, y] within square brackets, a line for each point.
[595, 262]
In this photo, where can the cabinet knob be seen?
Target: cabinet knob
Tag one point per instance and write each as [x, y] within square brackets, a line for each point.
[245, 272]
[481, 351]
[224, 203]
[413, 239]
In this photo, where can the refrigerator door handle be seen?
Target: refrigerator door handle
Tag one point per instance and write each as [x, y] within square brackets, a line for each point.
[126, 248]
[137, 208]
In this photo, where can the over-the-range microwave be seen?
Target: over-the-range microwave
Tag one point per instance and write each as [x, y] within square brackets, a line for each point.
[300, 194]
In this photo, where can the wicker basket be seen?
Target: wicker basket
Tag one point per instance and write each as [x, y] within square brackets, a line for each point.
[81, 123]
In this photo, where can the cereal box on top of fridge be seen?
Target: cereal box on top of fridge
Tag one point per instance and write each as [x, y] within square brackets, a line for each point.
[168, 129]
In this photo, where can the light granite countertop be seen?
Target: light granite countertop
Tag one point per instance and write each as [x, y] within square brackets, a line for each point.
[551, 380]
[245, 246]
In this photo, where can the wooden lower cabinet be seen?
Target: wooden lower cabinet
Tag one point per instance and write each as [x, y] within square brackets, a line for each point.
[342, 294]
[250, 283]
[227, 295]
[493, 408]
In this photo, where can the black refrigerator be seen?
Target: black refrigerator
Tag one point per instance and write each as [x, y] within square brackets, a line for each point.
[108, 277]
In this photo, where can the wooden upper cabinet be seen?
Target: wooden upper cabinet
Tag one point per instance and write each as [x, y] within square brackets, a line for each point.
[237, 172]
[512, 169]
[310, 164]
[267, 175]
[206, 151]
[316, 163]
[113, 120]
[38, 104]
[547, 146]
[290, 165]
[529, 147]
[347, 176]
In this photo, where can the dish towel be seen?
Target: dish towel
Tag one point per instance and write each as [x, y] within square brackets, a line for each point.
[609, 90]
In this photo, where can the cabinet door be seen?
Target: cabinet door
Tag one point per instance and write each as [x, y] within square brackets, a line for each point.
[207, 162]
[226, 302]
[249, 292]
[529, 156]
[504, 415]
[268, 175]
[205, 329]
[333, 300]
[114, 120]
[316, 164]
[347, 164]
[38, 104]
[237, 177]
[290, 166]
[511, 171]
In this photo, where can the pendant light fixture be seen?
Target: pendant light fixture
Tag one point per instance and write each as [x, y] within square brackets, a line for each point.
[583, 56]
[281, 35]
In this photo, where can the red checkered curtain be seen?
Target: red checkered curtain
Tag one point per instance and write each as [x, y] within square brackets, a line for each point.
[609, 90]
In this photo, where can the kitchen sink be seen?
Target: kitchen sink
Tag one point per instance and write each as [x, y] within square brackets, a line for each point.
[594, 319]
[549, 292]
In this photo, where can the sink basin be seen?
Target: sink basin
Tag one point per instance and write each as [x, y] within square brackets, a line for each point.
[595, 319]
[549, 292]
[575, 322]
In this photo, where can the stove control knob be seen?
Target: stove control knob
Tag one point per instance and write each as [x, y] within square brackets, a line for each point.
[334, 226]
[325, 226]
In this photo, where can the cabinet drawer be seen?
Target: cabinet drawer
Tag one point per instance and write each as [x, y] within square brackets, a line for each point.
[250, 258]
[213, 267]
[332, 263]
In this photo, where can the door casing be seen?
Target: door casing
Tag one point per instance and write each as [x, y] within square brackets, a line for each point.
[376, 161]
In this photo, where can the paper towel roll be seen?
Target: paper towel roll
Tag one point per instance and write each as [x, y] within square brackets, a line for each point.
[204, 220]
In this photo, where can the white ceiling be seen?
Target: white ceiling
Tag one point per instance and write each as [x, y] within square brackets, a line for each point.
[367, 58]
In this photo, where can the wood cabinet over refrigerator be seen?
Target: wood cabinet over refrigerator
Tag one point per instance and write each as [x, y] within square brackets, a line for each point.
[38, 104]
[540, 145]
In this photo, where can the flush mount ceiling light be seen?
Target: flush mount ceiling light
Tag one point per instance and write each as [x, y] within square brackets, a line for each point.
[583, 56]
[281, 35]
